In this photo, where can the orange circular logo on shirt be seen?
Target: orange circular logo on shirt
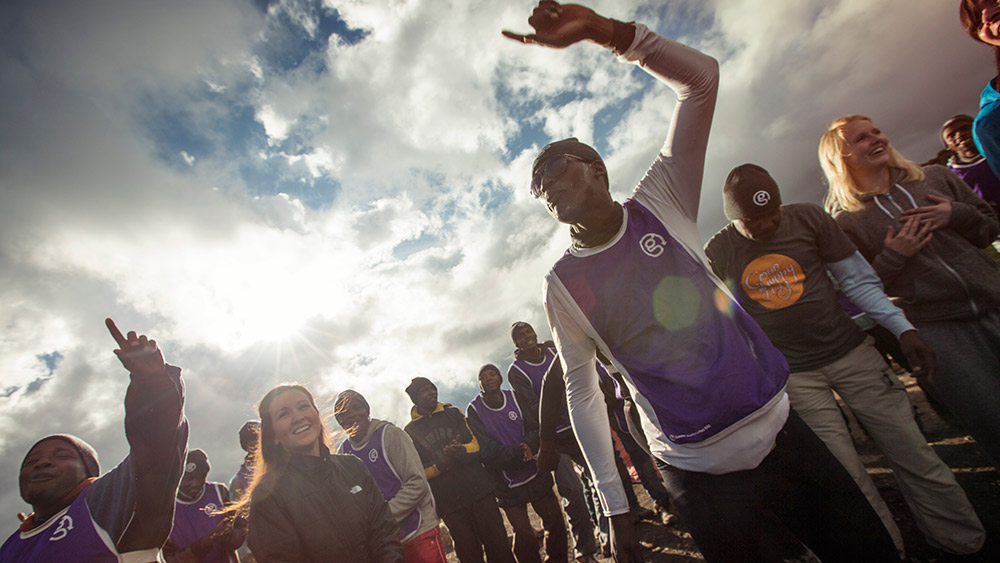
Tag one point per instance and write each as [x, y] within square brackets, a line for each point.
[774, 280]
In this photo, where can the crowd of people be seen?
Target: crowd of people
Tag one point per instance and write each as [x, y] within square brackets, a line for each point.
[710, 370]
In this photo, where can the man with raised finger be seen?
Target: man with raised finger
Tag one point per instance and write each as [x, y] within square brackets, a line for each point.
[124, 514]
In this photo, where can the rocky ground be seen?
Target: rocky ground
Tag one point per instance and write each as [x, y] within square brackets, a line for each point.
[670, 543]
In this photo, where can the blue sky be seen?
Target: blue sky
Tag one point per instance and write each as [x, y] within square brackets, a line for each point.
[335, 192]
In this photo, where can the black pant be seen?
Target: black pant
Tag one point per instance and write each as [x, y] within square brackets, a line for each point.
[477, 527]
[799, 487]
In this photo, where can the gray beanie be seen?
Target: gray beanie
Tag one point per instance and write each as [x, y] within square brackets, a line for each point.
[749, 191]
[86, 451]
[349, 396]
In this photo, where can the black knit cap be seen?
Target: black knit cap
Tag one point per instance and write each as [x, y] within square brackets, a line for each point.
[566, 146]
[416, 384]
[749, 191]
[348, 396]
[86, 451]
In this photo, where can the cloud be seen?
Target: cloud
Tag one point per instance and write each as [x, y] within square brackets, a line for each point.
[336, 193]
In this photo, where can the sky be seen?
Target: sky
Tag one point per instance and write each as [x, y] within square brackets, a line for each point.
[335, 192]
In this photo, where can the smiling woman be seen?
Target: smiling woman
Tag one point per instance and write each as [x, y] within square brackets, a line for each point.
[307, 504]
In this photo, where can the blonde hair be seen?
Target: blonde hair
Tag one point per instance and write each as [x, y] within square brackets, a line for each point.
[844, 192]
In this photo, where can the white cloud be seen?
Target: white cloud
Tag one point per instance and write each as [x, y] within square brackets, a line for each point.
[431, 245]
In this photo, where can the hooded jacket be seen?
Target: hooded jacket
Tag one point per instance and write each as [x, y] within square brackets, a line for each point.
[320, 509]
[950, 278]
[455, 484]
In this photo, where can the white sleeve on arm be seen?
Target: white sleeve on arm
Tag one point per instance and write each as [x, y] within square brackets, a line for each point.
[587, 410]
[861, 284]
[674, 179]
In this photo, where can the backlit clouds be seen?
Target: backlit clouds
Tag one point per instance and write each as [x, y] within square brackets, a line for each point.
[336, 192]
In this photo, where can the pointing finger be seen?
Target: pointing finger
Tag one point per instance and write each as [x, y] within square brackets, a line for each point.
[517, 37]
[115, 333]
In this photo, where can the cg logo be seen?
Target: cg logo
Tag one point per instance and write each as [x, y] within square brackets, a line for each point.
[652, 244]
[512, 415]
[65, 525]
[761, 198]
[210, 508]
[190, 467]
[373, 455]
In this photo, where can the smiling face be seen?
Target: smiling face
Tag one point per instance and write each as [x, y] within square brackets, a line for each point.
[354, 418]
[759, 227]
[525, 338]
[295, 422]
[490, 380]
[865, 147]
[50, 471]
[988, 12]
[958, 137]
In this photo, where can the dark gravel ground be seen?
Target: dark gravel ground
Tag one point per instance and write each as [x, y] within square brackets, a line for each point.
[981, 481]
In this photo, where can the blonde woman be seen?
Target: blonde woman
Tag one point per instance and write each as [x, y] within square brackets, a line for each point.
[922, 230]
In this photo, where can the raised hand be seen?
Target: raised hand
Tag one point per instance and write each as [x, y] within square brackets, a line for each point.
[561, 25]
[911, 238]
[937, 216]
[137, 353]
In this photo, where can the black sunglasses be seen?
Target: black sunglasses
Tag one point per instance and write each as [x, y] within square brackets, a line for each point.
[552, 167]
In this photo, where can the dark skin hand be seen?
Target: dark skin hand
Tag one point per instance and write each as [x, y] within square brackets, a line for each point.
[548, 457]
[918, 353]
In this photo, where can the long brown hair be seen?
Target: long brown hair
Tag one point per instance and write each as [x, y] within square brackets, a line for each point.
[269, 456]
[972, 21]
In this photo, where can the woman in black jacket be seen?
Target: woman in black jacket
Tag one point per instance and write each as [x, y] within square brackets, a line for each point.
[307, 504]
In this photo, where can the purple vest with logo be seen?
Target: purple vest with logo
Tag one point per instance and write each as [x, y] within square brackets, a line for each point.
[388, 481]
[194, 520]
[535, 374]
[505, 425]
[71, 536]
[696, 356]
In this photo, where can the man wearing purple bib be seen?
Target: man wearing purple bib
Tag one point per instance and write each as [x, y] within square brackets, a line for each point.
[125, 514]
[200, 532]
[392, 460]
[708, 383]
[508, 438]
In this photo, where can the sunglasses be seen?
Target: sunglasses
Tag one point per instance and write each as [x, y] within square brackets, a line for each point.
[552, 167]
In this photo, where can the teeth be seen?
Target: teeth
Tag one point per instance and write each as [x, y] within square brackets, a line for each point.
[301, 429]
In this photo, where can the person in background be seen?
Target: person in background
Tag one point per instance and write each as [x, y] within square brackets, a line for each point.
[967, 163]
[306, 504]
[775, 259]
[202, 533]
[389, 454]
[507, 432]
[126, 513]
[709, 385]
[249, 439]
[922, 230]
[463, 490]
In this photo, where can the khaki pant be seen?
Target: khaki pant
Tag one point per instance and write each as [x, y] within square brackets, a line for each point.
[878, 400]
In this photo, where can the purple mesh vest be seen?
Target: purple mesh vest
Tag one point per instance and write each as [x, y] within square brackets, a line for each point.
[505, 425]
[373, 454]
[699, 359]
[73, 536]
[193, 520]
[535, 373]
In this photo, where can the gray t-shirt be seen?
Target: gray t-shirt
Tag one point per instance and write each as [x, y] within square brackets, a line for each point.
[783, 284]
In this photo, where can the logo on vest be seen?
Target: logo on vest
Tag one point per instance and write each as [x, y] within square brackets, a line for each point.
[761, 198]
[373, 455]
[65, 525]
[775, 281]
[652, 244]
[512, 415]
[210, 508]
